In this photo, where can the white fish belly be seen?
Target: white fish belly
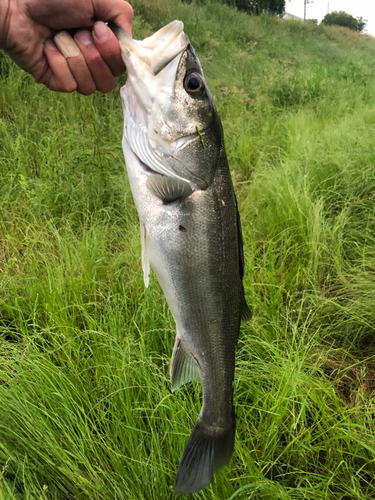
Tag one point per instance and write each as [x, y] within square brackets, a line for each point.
[154, 218]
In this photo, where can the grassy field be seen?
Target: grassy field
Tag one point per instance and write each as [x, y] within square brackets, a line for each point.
[86, 411]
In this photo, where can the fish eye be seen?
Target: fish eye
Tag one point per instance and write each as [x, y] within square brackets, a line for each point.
[193, 84]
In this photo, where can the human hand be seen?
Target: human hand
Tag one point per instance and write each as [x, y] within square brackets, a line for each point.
[92, 60]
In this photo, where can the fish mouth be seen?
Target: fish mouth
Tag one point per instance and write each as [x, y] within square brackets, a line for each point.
[156, 51]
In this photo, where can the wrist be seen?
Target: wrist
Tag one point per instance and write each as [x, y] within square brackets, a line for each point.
[4, 21]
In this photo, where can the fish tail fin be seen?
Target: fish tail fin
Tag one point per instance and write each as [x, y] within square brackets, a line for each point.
[208, 450]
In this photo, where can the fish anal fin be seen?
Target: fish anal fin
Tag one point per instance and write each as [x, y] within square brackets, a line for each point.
[184, 367]
[246, 314]
[168, 189]
[145, 255]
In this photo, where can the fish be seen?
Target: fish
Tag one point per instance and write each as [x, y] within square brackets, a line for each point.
[190, 230]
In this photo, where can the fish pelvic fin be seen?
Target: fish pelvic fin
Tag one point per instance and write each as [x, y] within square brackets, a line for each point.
[184, 367]
[145, 256]
[246, 314]
[168, 189]
[207, 451]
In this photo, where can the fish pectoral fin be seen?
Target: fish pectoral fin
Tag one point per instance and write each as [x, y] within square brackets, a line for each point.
[246, 314]
[145, 256]
[184, 367]
[168, 189]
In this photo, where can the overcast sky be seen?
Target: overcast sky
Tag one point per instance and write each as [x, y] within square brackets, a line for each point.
[318, 9]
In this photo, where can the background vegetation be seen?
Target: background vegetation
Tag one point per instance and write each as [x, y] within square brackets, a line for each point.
[273, 7]
[341, 18]
[86, 410]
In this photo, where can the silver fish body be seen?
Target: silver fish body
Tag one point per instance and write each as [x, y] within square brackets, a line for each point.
[190, 231]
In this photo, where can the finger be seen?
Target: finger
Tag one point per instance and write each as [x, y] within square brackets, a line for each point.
[101, 74]
[109, 48]
[58, 77]
[76, 63]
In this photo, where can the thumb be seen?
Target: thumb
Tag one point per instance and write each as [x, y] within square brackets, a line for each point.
[118, 11]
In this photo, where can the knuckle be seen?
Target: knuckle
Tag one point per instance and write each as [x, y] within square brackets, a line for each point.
[118, 71]
[87, 90]
[107, 87]
[58, 85]
[70, 87]
[68, 84]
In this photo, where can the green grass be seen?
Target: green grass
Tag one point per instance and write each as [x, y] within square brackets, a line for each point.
[86, 410]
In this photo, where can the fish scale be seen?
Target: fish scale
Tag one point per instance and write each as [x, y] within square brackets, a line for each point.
[190, 230]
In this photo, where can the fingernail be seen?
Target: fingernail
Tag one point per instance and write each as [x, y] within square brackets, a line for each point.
[66, 44]
[50, 45]
[101, 31]
[83, 37]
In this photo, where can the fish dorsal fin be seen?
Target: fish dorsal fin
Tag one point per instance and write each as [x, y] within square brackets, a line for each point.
[184, 367]
[245, 309]
[168, 189]
[145, 256]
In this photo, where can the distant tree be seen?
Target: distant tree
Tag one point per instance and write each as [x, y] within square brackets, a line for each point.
[341, 18]
[274, 7]
[361, 24]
